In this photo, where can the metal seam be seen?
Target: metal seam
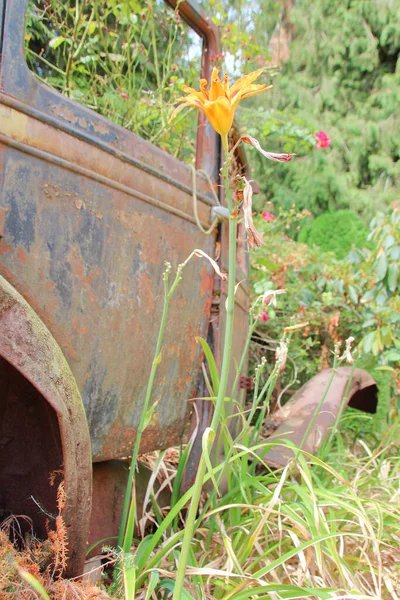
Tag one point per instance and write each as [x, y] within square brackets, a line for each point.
[41, 154]
[11, 102]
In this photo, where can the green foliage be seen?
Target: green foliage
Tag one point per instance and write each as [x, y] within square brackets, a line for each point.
[125, 60]
[336, 232]
[343, 77]
[337, 299]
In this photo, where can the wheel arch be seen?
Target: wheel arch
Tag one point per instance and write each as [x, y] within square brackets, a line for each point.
[28, 346]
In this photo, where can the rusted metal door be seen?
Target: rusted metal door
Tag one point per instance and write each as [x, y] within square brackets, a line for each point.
[89, 214]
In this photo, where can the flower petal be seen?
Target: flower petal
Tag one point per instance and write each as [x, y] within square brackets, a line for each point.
[226, 85]
[203, 88]
[189, 101]
[217, 89]
[247, 139]
[251, 90]
[254, 238]
[244, 81]
[177, 110]
[220, 114]
[193, 92]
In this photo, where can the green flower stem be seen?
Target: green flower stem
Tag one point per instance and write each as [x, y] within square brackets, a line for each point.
[252, 328]
[127, 521]
[219, 404]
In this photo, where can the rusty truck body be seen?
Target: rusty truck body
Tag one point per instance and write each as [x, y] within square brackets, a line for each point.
[89, 213]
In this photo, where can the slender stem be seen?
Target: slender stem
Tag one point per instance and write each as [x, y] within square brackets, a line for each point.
[71, 56]
[123, 539]
[241, 364]
[343, 404]
[226, 360]
[80, 46]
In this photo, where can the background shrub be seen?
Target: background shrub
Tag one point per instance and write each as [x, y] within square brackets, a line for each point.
[336, 232]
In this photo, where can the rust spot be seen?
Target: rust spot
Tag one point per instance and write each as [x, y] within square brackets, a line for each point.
[98, 215]
[4, 248]
[82, 123]
[206, 282]
[22, 255]
[45, 316]
[63, 112]
[120, 440]
[101, 128]
[79, 204]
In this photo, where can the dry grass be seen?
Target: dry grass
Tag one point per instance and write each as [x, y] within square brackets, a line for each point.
[42, 560]
[320, 529]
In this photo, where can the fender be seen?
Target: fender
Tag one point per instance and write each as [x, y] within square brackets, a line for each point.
[357, 389]
[27, 345]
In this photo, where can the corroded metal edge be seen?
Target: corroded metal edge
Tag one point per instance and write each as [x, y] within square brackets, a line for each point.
[19, 82]
[296, 414]
[27, 344]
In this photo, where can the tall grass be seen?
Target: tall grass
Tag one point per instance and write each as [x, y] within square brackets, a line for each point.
[317, 529]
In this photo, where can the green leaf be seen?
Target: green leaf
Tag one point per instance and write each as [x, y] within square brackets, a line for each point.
[153, 580]
[93, 546]
[88, 58]
[206, 443]
[367, 342]
[389, 241]
[393, 356]
[381, 298]
[386, 335]
[169, 584]
[369, 323]
[368, 296]
[142, 548]
[55, 42]
[394, 252]
[377, 345]
[393, 275]
[149, 414]
[353, 294]
[381, 267]
[211, 364]
[33, 582]
[129, 574]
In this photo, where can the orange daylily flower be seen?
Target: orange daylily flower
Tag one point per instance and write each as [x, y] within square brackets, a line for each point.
[220, 101]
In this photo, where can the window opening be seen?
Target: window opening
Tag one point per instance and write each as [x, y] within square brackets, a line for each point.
[125, 60]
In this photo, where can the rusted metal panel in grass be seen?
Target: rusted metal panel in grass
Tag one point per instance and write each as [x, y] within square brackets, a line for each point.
[358, 390]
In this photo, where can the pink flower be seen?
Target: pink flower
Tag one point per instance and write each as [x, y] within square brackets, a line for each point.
[323, 141]
[121, 93]
[264, 316]
[267, 216]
